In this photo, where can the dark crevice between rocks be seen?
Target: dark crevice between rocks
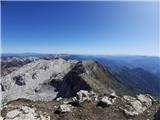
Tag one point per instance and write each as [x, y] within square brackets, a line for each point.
[19, 80]
[71, 83]
[56, 84]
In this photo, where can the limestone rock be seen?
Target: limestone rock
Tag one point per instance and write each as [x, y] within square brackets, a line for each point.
[83, 95]
[36, 80]
[64, 108]
[112, 96]
[25, 113]
[135, 106]
[93, 96]
[105, 101]
[145, 99]
[1, 118]
[58, 99]
[13, 113]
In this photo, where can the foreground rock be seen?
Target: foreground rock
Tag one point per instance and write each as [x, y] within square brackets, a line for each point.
[64, 108]
[23, 109]
[109, 100]
[146, 100]
[135, 106]
[105, 102]
[24, 113]
[84, 95]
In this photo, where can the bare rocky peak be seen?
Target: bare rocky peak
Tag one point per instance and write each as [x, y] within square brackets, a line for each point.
[47, 79]
[32, 80]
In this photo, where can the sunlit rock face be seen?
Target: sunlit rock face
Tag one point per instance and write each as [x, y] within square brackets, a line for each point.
[36, 81]
[135, 106]
[46, 80]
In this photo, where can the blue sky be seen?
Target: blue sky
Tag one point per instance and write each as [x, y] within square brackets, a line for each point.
[129, 28]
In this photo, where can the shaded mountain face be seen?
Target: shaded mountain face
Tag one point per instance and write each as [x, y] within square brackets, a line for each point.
[86, 75]
[138, 80]
[47, 79]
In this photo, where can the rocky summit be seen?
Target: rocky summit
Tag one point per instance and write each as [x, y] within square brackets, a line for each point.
[47, 79]
[55, 89]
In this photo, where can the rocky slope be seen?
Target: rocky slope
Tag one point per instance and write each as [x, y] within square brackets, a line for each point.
[9, 65]
[34, 80]
[47, 79]
[85, 106]
[69, 89]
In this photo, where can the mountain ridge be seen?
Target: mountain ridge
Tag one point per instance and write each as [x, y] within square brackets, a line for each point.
[52, 87]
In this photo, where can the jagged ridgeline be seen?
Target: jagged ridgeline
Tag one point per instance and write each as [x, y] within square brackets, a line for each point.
[48, 88]
[40, 79]
[48, 79]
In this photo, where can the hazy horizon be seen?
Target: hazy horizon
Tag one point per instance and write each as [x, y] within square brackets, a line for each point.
[34, 53]
[87, 28]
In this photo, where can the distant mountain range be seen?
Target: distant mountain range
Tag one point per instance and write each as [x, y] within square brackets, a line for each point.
[148, 63]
